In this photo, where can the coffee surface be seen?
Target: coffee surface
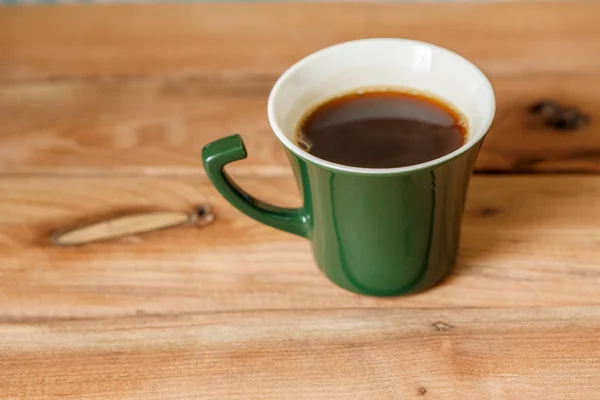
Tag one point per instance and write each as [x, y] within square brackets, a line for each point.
[381, 129]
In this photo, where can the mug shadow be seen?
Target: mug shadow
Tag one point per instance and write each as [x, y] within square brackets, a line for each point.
[505, 216]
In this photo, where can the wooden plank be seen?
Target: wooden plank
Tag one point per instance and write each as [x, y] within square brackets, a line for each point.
[527, 241]
[40, 42]
[159, 125]
[515, 354]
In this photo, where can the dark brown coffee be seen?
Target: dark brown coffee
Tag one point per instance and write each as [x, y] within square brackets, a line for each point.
[381, 129]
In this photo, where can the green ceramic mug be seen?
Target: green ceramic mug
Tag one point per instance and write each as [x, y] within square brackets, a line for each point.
[379, 232]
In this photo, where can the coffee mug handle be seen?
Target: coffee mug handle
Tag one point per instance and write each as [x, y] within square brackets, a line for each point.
[221, 152]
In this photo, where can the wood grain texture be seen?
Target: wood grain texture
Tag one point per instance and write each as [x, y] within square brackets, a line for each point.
[515, 354]
[527, 241]
[149, 126]
[182, 39]
[159, 125]
[104, 110]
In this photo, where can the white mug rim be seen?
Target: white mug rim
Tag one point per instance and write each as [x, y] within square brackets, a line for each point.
[290, 145]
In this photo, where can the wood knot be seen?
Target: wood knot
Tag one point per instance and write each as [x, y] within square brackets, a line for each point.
[559, 117]
[421, 390]
[441, 326]
[126, 225]
[204, 216]
[489, 212]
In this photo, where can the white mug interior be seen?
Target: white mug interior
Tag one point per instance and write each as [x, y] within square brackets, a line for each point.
[384, 64]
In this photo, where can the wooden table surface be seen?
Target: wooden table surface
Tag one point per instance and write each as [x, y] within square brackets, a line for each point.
[105, 109]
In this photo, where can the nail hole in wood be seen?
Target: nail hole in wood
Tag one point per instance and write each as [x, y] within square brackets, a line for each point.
[441, 326]
[204, 215]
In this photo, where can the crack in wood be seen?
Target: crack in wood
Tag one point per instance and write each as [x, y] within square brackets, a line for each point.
[127, 225]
